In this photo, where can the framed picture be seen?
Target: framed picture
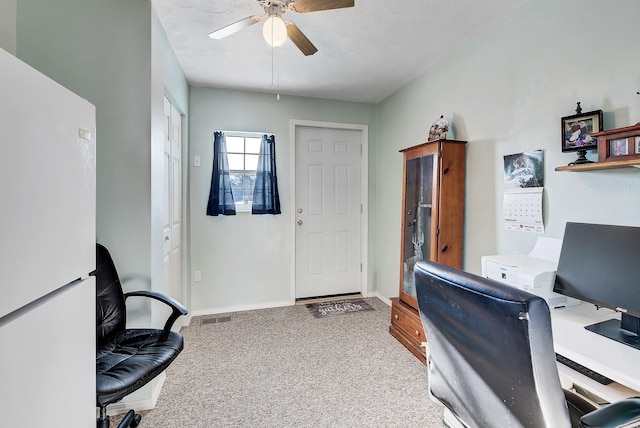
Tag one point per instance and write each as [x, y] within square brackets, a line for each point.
[618, 147]
[620, 144]
[577, 130]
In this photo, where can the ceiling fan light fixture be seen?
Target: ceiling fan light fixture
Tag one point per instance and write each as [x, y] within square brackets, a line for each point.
[274, 31]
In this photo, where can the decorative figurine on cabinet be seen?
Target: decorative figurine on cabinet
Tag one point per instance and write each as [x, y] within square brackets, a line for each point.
[438, 130]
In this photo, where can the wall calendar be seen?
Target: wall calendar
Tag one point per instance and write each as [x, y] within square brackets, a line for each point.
[522, 209]
[522, 201]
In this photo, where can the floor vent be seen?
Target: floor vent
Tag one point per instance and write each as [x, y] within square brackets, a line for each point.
[215, 320]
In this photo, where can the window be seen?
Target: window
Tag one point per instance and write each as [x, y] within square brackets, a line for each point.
[243, 150]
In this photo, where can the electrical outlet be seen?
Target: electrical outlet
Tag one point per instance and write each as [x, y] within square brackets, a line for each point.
[197, 276]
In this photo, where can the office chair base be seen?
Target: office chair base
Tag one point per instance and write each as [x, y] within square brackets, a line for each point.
[131, 419]
[103, 422]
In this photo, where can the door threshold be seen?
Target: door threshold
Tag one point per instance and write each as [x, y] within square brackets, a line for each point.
[320, 299]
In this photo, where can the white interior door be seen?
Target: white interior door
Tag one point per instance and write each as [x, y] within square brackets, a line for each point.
[328, 211]
[173, 201]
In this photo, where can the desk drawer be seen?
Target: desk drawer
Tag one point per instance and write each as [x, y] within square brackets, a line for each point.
[409, 322]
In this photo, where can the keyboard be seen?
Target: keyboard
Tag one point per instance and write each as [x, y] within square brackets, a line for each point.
[583, 370]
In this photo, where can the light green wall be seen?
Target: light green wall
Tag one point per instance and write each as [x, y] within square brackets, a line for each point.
[102, 51]
[505, 93]
[8, 25]
[116, 55]
[245, 260]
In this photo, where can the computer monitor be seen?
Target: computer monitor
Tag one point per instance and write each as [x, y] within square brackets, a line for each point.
[600, 264]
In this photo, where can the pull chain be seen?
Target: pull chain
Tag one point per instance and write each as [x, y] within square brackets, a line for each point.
[275, 79]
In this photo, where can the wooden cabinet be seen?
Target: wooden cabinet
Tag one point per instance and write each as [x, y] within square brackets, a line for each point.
[432, 226]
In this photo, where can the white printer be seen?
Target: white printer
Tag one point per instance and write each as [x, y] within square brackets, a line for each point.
[534, 273]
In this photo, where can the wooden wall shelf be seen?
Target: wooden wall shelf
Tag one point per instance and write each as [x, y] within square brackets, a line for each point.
[597, 166]
[630, 156]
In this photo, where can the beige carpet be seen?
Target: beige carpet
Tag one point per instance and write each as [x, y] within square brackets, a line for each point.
[282, 367]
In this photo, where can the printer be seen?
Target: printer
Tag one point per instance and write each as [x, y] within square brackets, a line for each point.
[534, 273]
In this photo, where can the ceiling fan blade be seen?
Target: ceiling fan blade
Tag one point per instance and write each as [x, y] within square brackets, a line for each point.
[299, 39]
[304, 6]
[235, 27]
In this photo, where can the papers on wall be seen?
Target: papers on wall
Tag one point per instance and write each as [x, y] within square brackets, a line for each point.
[522, 202]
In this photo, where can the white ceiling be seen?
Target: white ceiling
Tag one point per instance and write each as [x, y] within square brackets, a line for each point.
[365, 53]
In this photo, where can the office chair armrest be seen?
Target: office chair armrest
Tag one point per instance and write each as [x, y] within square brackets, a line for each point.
[177, 307]
[620, 413]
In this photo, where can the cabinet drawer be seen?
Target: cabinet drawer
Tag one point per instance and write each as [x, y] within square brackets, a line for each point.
[408, 322]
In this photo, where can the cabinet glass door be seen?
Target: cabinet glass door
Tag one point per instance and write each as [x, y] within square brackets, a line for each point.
[416, 230]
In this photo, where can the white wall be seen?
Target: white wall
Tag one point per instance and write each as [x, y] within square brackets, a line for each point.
[505, 93]
[245, 259]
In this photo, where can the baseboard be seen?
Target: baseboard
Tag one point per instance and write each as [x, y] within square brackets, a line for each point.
[137, 402]
[187, 320]
[380, 296]
[229, 309]
[240, 308]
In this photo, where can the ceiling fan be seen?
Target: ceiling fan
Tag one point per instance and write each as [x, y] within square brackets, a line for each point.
[275, 30]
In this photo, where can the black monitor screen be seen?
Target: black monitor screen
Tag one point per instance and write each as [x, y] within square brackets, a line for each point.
[600, 264]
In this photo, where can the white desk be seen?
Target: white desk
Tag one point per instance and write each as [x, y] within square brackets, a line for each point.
[617, 361]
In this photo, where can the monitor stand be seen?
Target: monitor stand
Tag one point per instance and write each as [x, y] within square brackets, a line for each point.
[612, 330]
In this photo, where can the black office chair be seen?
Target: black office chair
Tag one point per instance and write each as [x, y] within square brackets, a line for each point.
[127, 359]
[491, 359]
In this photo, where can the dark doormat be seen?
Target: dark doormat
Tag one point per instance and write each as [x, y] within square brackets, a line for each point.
[338, 307]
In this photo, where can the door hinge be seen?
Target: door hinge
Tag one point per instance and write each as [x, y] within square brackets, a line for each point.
[360, 267]
[437, 231]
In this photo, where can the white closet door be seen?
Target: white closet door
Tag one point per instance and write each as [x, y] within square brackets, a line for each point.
[172, 201]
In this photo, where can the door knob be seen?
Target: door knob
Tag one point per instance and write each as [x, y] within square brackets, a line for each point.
[300, 210]
[299, 221]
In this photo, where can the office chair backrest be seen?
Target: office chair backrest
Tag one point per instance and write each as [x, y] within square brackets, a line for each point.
[111, 312]
[491, 358]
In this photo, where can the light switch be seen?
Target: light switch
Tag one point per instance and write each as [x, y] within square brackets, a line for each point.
[196, 161]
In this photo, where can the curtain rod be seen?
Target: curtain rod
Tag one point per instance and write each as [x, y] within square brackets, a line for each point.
[245, 132]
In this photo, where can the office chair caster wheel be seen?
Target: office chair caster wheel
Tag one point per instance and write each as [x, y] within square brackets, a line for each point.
[103, 422]
[136, 420]
[131, 419]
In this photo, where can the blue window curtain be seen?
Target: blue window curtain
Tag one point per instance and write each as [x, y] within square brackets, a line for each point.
[266, 199]
[220, 196]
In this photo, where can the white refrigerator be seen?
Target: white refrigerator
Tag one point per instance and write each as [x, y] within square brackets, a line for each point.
[47, 250]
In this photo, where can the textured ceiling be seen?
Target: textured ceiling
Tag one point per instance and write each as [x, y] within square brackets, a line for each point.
[365, 53]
